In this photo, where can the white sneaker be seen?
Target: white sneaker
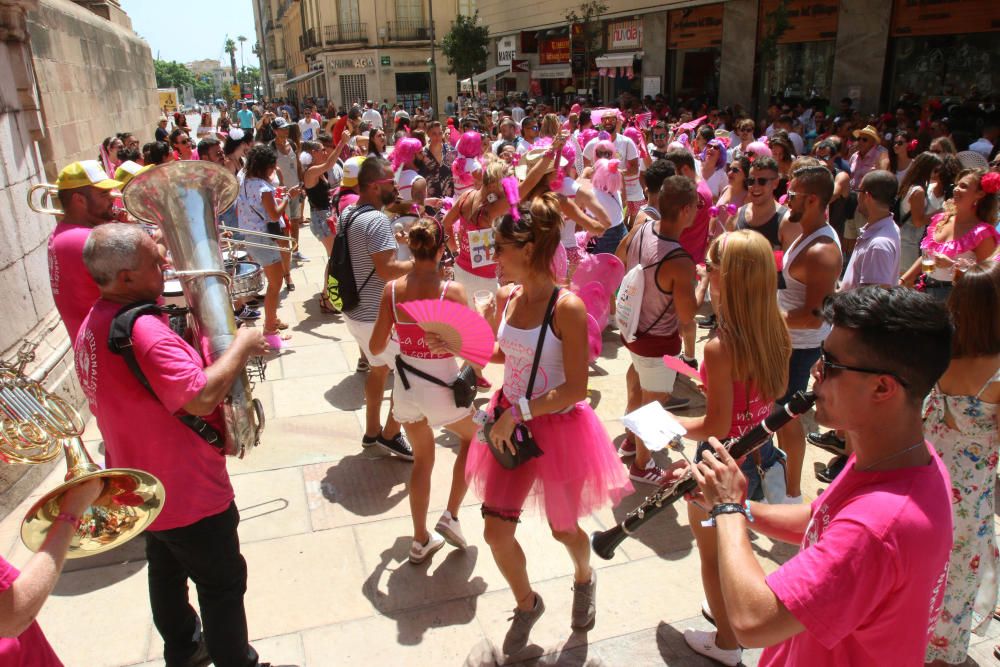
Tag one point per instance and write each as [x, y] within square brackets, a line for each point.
[450, 530]
[421, 552]
[704, 643]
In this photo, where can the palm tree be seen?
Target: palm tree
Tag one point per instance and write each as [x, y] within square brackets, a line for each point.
[243, 63]
[230, 48]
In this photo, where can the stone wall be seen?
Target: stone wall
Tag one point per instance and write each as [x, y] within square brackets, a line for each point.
[95, 78]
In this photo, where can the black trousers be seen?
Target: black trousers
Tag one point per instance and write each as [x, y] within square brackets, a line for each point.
[208, 553]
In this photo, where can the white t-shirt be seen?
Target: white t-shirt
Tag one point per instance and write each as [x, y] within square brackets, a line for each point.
[717, 182]
[288, 163]
[612, 205]
[309, 128]
[373, 118]
[625, 149]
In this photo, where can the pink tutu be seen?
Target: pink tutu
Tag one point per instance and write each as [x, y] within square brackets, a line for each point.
[578, 472]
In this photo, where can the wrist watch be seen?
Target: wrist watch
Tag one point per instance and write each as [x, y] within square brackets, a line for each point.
[522, 404]
[731, 508]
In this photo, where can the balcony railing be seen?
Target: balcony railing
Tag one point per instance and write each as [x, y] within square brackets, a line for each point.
[409, 30]
[345, 33]
[309, 40]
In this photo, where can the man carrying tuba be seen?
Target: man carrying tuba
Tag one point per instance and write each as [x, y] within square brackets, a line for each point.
[157, 406]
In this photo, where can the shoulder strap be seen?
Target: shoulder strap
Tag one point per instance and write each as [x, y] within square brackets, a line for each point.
[676, 252]
[403, 368]
[347, 244]
[120, 343]
[550, 311]
[993, 378]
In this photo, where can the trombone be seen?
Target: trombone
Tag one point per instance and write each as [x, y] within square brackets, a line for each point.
[35, 426]
[292, 244]
[49, 194]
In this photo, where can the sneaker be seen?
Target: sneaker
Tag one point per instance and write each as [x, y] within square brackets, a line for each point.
[628, 446]
[690, 361]
[421, 552]
[706, 611]
[584, 603]
[299, 257]
[832, 469]
[363, 366]
[397, 445]
[828, 441]
[248, 313]
[677, 403]
[703, 642]
[369, 441]
[450, 530]
[707, 322]
[652, 474]
[517, 635]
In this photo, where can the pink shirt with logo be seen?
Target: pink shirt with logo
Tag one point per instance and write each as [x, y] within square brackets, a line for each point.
[30, 648]
[142, 431]
[694, 239]
[73, 290]
[869, 579]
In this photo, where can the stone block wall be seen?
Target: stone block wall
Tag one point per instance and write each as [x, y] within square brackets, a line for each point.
[95, 78]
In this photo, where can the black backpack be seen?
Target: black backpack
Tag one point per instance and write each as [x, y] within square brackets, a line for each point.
[342, 289]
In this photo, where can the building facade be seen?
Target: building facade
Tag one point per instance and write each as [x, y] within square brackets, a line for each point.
[222, 77]
[348, 51]
[747, 51]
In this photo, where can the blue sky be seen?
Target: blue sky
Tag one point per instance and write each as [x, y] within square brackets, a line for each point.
[186, 30]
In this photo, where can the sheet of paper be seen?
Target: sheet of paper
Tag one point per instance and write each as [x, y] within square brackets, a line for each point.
[654, 425]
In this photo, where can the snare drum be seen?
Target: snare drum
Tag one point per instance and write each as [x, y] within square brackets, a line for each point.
[173, 295]
[248, 279]
[230, 257]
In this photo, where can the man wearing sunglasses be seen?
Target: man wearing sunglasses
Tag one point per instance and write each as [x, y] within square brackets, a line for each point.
[762, 213]
[658, 148]
[870, 154]
[868, 581]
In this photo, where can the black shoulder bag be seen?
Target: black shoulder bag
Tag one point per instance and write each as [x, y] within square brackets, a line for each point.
[120, 343]
[521, 438]
[463, 386]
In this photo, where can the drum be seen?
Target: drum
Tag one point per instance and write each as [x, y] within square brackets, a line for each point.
[248, 279]
[173, 295]
[230, 257]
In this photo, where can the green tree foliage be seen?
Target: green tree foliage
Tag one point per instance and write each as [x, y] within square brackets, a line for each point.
[250, 76]
[230, 48]
[588, 15]
[465, 46]
[204, 88]
[172, 74]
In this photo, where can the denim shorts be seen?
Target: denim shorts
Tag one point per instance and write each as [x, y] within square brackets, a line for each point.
[264, 256]
[317, 224]
[799, 367]
[608, 242]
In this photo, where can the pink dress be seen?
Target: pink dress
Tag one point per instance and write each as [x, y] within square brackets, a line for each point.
[964, 247]
[579, 470]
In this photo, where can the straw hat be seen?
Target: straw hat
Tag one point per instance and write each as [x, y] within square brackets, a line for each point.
[868, 130]
[529, 159]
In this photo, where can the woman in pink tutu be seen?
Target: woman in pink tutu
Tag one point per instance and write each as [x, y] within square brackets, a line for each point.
[578, 471]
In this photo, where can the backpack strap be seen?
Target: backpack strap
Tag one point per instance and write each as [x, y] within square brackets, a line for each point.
[347, 244]
[120, 343]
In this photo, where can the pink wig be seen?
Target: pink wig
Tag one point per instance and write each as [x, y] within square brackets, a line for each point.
[605, 145]
[758, 148]
[636, 136]
[406, 149]
[470, 149]
[510, 190]
[607, 176]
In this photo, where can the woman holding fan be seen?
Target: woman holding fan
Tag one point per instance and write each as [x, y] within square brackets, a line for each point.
[421, 405]
[542, 342]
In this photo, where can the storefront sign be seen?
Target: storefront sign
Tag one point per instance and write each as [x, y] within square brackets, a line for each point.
[911, 18]
[353, 63]
[553, 51]
[506, 50]
[552, 72]
[518, 65]
[625, 35]
[808, 20]
[385, 61]
[695, 28]
[651, 86]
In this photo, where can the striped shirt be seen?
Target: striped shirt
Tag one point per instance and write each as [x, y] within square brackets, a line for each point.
[369, 233]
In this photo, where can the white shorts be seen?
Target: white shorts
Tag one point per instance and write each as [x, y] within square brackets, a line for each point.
[654, 376]
[362, 332]
[473, 283]
[424, 399]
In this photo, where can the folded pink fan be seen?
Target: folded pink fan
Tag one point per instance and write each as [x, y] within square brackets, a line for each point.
[463, 330]
[675, 364]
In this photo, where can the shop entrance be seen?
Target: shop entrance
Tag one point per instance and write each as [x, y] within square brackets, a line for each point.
[413, 88]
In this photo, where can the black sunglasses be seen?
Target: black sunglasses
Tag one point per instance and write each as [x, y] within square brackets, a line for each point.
[760, 180]
[826, 364]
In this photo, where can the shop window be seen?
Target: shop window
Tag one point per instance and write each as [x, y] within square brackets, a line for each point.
[696, 73]
[412, 88]
[802, 70]
[353, 88]
[944, 66]
[466, 7]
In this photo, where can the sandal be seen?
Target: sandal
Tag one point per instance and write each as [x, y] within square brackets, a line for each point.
[278, 324]
[289, 285]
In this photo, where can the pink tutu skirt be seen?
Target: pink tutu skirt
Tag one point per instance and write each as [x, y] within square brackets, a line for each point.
[578, 472]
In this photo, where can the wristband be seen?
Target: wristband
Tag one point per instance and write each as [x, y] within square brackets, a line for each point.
[516, 414]
[728, 508]
[522, 403]
[70, 519]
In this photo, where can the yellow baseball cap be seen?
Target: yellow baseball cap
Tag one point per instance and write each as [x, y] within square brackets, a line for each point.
[84, 173]
[352, 167]
[128, 170]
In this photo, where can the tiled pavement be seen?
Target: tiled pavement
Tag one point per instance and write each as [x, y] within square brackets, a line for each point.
[325, 531]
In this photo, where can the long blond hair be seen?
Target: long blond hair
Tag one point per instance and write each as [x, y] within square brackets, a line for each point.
[751, 327]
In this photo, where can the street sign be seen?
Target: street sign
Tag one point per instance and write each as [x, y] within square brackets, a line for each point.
[518, 65]
[385, 61]
[235, 89]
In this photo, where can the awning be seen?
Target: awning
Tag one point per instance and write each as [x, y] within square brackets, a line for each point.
[303, 77]
[617, 59]
[490, 73]
[552, 72]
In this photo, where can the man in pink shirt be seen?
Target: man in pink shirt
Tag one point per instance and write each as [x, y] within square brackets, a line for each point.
[87, 196]
[194, 537]
[866, 586]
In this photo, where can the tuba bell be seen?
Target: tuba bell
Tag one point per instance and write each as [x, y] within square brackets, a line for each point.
[183, 199]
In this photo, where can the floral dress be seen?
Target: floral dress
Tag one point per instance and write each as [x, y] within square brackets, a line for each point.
[438, 174]
[970, 453]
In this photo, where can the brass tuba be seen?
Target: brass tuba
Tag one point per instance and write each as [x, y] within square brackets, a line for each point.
[183, 199]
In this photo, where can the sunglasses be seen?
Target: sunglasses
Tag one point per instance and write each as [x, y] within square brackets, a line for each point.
[734, 169]
[532, 127]
[659, 136]
[899, 143]
[866, 140]
[603, 153]
[760, 180]
[745, 131]
[792, 194]
[827, 364]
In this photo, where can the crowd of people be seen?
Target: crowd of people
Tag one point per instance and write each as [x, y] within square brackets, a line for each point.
[854, 256]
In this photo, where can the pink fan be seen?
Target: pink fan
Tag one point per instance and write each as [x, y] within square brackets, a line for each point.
[463, 330]
[675, 364]
[691, 124]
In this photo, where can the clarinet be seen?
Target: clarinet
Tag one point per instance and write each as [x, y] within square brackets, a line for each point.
[605, 542]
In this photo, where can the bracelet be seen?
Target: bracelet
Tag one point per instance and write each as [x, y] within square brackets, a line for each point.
[516, 414]
[70, 519]
[728, 508]
[522, 403]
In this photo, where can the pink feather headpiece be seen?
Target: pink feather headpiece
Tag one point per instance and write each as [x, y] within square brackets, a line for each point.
[607, 175]
[470, 149]
[510, 190]
[406, 149]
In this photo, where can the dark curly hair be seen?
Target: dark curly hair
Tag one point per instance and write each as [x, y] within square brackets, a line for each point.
[260, 159]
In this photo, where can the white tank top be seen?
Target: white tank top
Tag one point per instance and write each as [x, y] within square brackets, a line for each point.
[794, 294]
[404, 183]
[518, 346]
